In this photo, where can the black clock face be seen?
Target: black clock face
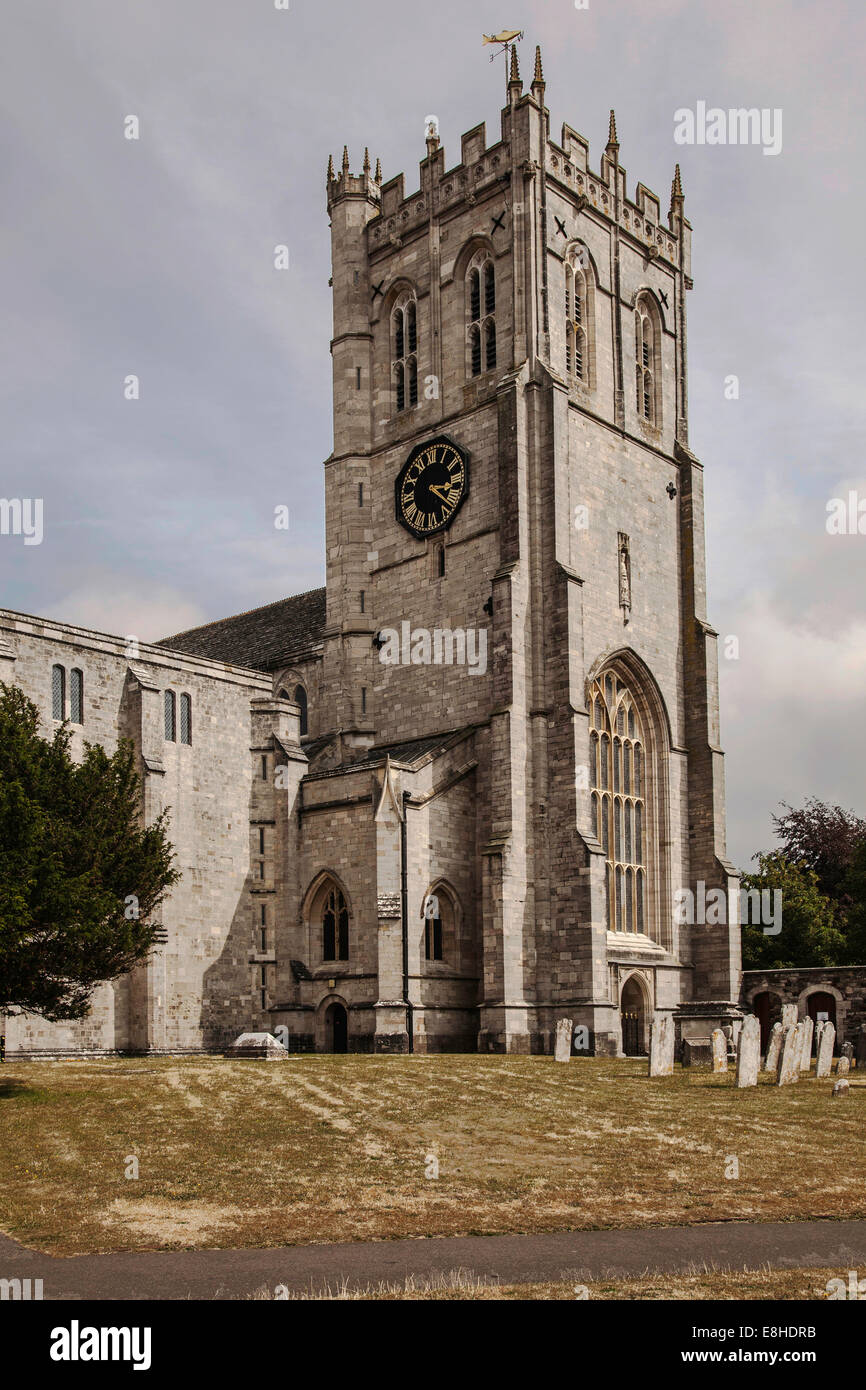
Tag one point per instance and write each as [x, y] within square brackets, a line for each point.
[431, 486]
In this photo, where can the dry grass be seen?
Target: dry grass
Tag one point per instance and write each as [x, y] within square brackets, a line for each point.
[324, 1148]
[692, 1286]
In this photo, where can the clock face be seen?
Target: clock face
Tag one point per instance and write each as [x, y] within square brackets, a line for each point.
[432, 486]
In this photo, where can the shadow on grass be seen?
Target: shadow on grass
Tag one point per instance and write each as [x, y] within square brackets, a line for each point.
[13, 1089]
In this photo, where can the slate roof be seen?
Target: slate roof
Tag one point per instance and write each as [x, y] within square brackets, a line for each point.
[263, 638]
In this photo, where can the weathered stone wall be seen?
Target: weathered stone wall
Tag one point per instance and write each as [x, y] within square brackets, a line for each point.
[845, 983]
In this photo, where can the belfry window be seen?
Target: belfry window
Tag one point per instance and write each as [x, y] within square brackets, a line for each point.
[335, 927]
[576, 354]
[404, 352]
[646, 337]
[617, 766]
[481, 314]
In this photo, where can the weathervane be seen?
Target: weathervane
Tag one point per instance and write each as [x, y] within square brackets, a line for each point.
[504, 38]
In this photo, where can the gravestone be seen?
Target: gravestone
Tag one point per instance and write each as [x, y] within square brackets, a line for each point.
[774, 1047]
[749, 1052]
[806, 1057]
[789, 1015]
[661, 1058]
[720, 1050]
[861, 1049]
[562, 1046]
[840, 1088]
[847, 1050]
[697, 1052]
[788, 1070]
[258, 1045]
[824, 1050]
[843, 1066]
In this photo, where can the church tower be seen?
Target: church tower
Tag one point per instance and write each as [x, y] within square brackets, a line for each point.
[511, 465]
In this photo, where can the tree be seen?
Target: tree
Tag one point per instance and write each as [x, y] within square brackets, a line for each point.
[811, 923]
[824, 838]
[80, 876]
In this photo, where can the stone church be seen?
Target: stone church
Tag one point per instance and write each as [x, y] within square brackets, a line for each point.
[450, 797]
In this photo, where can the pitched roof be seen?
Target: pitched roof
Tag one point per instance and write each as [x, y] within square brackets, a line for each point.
[263, 638]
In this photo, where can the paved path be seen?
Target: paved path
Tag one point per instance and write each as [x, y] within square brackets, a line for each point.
[581, 1255]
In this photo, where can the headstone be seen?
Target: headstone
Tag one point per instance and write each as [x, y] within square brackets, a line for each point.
[824, 1050]
[749, 1052]
[788, 1069]
[806, 1056]
[661, 1058]
[847, 1050]
[260, 1045]
[720, 1050]
[562, 1045]
[774, 1047]
[697, 1052]
[843, 1066]
[789, 1015]
[861, 1048]
[729, 1042]
[840, 1088]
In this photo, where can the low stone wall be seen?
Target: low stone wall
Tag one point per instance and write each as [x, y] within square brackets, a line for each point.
[844, 984]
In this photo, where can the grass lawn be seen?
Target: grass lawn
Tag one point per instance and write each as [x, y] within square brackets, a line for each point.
[329, 1148]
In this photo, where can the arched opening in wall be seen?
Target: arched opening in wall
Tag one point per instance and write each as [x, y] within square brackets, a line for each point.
[336, 1028]
[768, 1008]
[822, 1007]
[300, 698]
[633, 1019]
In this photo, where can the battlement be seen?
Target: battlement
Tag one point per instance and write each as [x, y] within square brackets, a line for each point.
[483, 167]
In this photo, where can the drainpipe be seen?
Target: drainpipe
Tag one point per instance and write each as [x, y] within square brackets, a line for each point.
[404, 913]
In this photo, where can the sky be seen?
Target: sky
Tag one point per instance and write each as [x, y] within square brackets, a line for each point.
[155, 258]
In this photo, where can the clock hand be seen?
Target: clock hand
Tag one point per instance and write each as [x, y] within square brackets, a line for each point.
[442, 490]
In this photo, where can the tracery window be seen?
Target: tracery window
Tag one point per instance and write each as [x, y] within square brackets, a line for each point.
[481, 313]
[617, 763]
[404, 351]
[335, 927]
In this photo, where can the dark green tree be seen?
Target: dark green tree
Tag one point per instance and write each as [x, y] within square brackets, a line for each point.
[811, 923]
[80, 875]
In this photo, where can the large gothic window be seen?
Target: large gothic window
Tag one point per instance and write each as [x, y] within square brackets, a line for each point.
[617, 763]
[404, 352]
[647, 344]
[335, 927]
[481, 313]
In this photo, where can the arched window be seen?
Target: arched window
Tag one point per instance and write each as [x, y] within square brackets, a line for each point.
[170, 716]
[58, 692]
[185, 719]
[646, 336]
[618, 800]
[440, 914]
[481, 314]
[404, 351]
[579, 317]
[300, 699]
[335, 927]
[76, 696]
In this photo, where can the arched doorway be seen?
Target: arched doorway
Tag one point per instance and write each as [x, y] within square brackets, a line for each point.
[633, 1019]
[822, 1005]
[336, 1029]
[768, 1008]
